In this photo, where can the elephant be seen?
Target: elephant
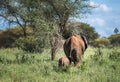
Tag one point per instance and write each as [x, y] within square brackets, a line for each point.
[74, 48]
[64, 62]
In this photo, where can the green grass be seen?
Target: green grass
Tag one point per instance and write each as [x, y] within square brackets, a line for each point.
[97, 66]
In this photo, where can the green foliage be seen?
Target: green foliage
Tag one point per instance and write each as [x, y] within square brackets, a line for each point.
[89, 32]
[101, 42]
[52, 10]
[67, 33]
[29, 44]
[42, 35]
[37, 67]
[115, 39]
[98, 55]
[84, 66]
[24, 58]
[9, 36]
[44, 31]
[74, 6]
[115, 55]
[82, 29]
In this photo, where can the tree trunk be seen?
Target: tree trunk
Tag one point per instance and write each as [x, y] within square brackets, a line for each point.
[24, 33]
[24, 30]
[56, 44]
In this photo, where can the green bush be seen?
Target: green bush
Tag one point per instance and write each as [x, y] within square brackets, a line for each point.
[98, 55]
[9, 36]
[114, 55]
[24, 58]
[115, 40]
[29, 44]
[101, 42]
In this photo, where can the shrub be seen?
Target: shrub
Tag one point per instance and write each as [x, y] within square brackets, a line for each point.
[24, 58]
[101, 42]
[9, 36]
[29, 44]
[115, 40]
[84, 66]
[98, 55]
[114, 55]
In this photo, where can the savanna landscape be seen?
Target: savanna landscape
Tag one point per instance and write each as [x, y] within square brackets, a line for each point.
[34, 41]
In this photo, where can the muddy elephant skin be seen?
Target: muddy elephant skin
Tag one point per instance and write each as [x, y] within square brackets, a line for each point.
[74, 48]
[63, 62]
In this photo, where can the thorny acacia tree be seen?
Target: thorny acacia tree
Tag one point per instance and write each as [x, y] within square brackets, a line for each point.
[18, 12]
[83, 29]
[63, 11]
[24, 12]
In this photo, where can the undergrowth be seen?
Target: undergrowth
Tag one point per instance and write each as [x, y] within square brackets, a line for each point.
[98, 65]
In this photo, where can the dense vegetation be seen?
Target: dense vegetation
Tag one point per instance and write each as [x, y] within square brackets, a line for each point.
[13, 37]
[25, 50]
[99, 65]
[47, 18]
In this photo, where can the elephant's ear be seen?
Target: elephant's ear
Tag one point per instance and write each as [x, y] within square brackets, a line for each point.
[85, 41]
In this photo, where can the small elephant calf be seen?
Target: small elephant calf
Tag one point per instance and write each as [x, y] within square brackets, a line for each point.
[64, 61]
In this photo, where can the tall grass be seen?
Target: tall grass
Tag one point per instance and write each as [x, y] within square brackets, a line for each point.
[99, 65]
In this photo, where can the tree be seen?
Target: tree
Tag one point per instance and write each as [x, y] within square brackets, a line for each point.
[63, 10]
[18, 12]
[82, 29]
[116, 30]
[101, 42]
[89, 32]
[114, 39]
[54, 12]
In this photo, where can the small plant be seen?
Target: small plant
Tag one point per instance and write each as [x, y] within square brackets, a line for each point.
[98, 55]
[84, 66]
[4, 60]
[114, 55]
[61, 69]
[23, 58]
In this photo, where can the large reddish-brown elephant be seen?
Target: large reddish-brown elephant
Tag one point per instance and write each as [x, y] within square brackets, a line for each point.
[74, 48]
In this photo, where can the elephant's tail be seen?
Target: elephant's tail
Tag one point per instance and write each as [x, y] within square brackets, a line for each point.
[73, 54]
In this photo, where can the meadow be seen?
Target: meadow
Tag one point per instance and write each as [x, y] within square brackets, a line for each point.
[99, 65]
